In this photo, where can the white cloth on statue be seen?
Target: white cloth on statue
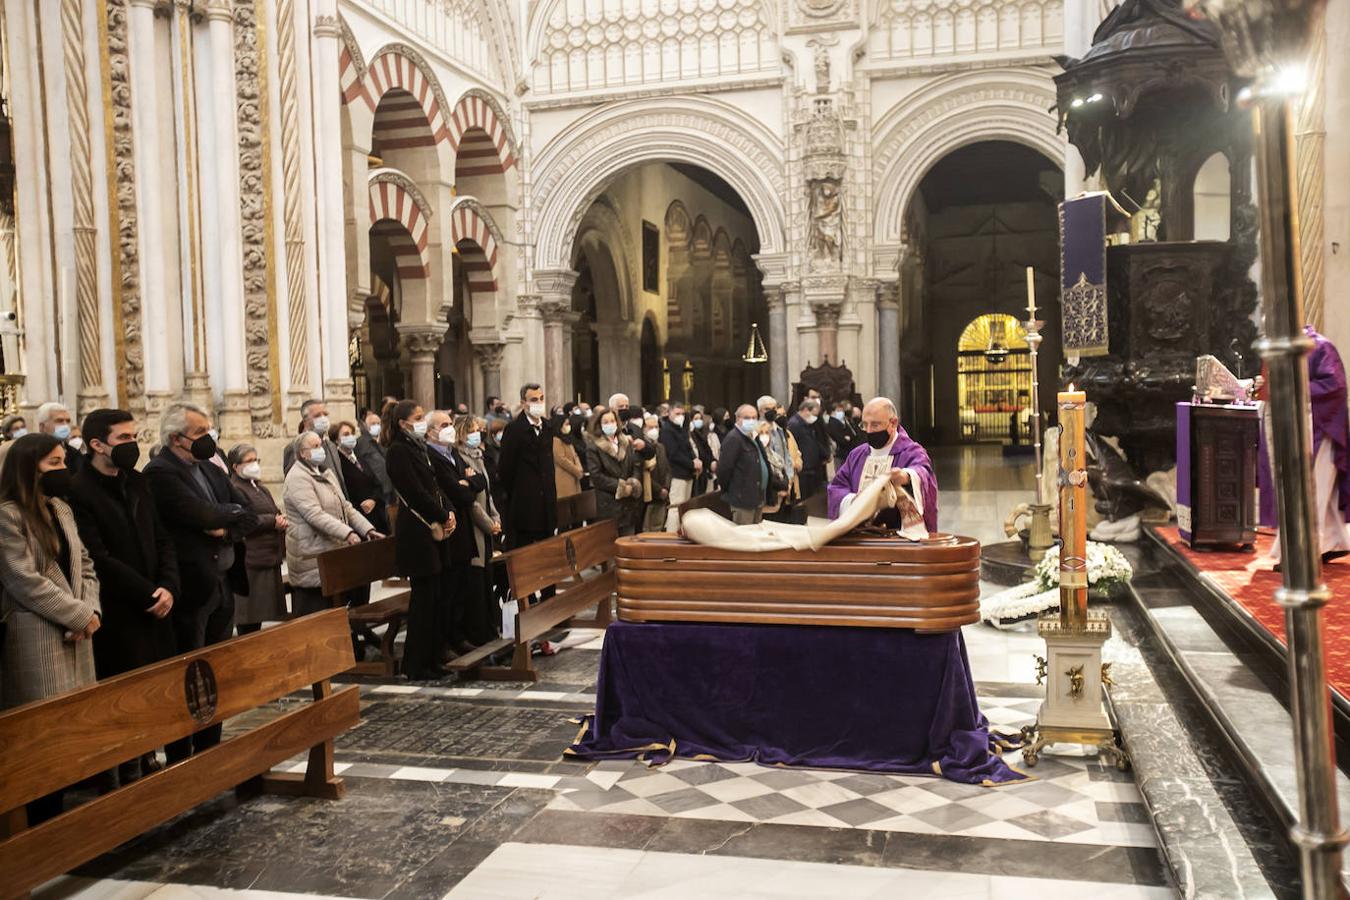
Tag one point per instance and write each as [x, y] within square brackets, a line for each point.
[703, 526]
[910, 504]
[1332, 532]
[681, 489]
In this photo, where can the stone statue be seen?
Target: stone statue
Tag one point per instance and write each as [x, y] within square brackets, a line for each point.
[826, 240]
[1144, 224]
[822, 68]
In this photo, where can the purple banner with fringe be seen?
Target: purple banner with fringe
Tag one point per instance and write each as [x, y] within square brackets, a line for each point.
[1082, 272]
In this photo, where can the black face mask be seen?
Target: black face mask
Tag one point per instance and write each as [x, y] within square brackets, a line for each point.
[878, 439]
[55, 483]
[203, 448]
[125, 456]
[770, 415]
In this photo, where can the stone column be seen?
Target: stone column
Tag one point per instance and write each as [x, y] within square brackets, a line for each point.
[490, 361]
[888, 344]
[827, 332]
[780, 380]
[145, 80]
[422, 343]
[332, 273]
[620, 358]
[559, 322]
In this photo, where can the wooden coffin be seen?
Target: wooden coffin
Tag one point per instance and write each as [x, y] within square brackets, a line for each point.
[863, 580]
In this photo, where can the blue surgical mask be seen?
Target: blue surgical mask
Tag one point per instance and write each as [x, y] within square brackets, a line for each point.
[749, 426]
[348, 441]
[838, 415]
[374, 430]
[61, 432]
[473, 439]
[697, 424]
[318, 456]
[18, 433]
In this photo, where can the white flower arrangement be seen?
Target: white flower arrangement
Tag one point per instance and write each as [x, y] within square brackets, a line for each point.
[1107, 567]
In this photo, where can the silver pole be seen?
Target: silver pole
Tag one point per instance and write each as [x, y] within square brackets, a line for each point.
[1318, 833]
[1033, 329]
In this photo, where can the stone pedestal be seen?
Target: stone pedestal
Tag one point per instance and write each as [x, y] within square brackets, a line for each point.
[234, 421]
[1073, 711]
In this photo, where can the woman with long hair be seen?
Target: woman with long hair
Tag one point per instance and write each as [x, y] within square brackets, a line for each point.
[424, 520]
[48, 589]
[613, 466]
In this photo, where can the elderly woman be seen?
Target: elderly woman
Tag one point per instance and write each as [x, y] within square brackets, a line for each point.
[613, 466]
[48, 589]
[320, 519]
[264, 548]
[487, 524]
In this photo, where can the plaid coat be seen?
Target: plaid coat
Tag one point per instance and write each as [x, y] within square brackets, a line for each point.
[38, 607]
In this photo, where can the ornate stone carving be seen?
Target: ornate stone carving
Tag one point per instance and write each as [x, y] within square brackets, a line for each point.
[292, 213]
[825, 241]
[132, 363]
[1310, 133]
[603, 43]
[353, 48]
[92, 393]
[418, 340]
[490, 357]
[905, 29]
[255, 190]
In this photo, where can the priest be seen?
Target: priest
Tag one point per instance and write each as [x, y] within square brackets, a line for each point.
[888, 452]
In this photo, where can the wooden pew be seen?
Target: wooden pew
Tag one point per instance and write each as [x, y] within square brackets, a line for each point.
[562, 562]
[358, 565]
[57, 743]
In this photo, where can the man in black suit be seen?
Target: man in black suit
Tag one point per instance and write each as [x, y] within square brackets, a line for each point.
[135, 559]
[844, 432]
[525, 472]
[205, 515]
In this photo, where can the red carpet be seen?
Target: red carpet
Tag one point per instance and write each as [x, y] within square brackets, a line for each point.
[1249, 579]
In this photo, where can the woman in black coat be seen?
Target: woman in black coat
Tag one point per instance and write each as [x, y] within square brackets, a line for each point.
[363, 485]
[418, 556]
[264, 548]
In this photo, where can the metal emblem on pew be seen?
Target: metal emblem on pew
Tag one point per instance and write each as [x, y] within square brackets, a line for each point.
[199, 683]
[571, 555]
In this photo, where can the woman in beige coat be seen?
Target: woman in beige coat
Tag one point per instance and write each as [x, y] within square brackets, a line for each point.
[567, 468]
[48, 590]
[319, 518]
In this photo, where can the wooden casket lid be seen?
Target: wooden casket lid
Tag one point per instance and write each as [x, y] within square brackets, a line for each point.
[938, 548]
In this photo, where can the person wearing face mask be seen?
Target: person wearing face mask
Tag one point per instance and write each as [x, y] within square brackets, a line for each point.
[206, 517]
[685, 465]
[630, 422]
[371, 454]
[815, 457]
[459, 482]
[843, 432]
[613, 466]
[55, 419]
[785, 461]
[703, 451]
[314, 418]
[320, 518]
[49, 592]
[12, 428]
[264, 548]
[481, 608]
[525, 472]
[888, 453]
[422, 527]
[567, 468]
[656, 476]
[743, 468]
[363, 488]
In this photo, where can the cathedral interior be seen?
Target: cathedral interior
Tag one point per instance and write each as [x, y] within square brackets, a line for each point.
[1082, 253]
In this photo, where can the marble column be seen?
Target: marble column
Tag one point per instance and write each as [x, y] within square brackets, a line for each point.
[145, 82]
[888, 344]
[620, 357]
[224, 235]
[780, 381]
[827, 332]
[559, 321]
[422, 343]
[490, 362]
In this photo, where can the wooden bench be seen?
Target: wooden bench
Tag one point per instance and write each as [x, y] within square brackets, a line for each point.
[576, 510]
[563, 562]
[56, 743]
[355, 566]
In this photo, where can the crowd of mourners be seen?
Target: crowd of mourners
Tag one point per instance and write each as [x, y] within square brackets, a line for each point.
[105, 567]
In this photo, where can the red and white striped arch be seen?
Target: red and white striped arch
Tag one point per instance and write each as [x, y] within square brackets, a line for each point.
[477, 248]
[396, 214]
[393, 70]
[480, 139]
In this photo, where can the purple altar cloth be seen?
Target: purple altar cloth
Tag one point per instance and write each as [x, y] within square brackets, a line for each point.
[874, 699]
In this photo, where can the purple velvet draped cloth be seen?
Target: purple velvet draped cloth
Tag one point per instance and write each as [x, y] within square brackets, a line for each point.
[873, 699]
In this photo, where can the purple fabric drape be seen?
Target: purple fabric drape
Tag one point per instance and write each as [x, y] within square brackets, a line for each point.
[1330, 421]
[874, 699]
[906, 453]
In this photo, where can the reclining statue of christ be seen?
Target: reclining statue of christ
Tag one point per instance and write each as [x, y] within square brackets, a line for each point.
[887, 482]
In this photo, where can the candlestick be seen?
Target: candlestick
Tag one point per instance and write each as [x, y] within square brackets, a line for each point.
[1033, 327]
[1073, 581]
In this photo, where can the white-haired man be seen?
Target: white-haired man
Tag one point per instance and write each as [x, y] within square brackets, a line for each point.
[54, 418]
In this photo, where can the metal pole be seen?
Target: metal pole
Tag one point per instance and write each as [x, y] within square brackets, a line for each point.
[1317, 834]
[1033, 328]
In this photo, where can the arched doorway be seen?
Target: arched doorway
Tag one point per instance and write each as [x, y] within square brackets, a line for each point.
[668, 244]
[993, 381]
[981, 216]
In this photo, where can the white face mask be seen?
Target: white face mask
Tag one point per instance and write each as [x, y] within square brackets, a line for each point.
[76, 443]
[374, 430]
[653, 434]
[610, 429]
[677, 421]
[808, 418]
[535, 410]
[251, 471]
[215, 434]
[318, 456]
[320, 425]
[348, 441]
[420, 428]
[17, 433]
[447, 435]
